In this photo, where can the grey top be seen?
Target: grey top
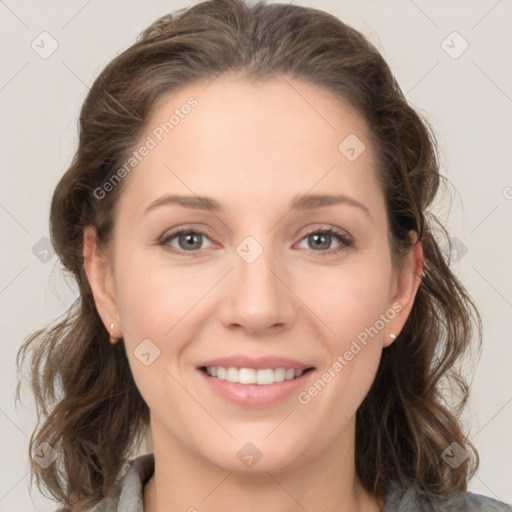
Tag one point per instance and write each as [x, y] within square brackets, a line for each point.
[127, 495]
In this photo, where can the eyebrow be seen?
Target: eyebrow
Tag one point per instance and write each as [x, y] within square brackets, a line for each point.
[299, 203]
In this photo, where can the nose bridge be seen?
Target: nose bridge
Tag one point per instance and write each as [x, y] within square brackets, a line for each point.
[254, 262]
[257, 296]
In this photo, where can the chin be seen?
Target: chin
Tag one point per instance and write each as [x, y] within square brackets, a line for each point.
[254, 458]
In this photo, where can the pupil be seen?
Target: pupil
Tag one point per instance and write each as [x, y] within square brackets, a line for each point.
[317, 237]
[189, 238]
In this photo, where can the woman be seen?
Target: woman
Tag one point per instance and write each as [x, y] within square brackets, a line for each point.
[261, 290]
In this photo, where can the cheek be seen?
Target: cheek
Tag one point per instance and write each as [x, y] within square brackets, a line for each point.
[152, 297]
[153, 301]
[352, 310]
[159, 303]
[349, 299]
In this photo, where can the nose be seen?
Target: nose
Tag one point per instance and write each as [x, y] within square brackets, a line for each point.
[258, 294]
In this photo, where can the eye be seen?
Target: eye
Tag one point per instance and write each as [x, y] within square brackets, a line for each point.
[188, 240]
[322, 238]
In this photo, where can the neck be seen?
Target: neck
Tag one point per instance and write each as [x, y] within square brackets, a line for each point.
[184, 481]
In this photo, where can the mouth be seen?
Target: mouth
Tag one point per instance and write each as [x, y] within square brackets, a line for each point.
[248, 376]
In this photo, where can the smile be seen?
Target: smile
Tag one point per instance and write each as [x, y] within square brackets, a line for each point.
[265, 376]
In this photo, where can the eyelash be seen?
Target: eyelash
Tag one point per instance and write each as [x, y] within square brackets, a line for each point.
[345, 241]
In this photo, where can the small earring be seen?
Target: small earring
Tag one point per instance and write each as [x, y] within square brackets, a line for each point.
[111, 337]
[392, 336]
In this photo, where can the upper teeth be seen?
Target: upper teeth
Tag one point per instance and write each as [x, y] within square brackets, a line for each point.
[252, 376]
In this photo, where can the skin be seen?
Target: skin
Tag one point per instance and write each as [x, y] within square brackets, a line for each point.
[252, 147]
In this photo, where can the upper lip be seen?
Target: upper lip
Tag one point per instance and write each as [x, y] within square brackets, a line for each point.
[260, 363]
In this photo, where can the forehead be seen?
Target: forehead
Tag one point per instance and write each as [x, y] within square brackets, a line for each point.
[241, 114]
[241, 140]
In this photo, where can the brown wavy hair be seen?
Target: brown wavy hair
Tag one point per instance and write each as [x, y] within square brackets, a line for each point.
[89, 408]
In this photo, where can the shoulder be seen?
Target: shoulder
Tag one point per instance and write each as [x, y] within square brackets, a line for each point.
[481, 503]
[127, 494]
[410, 500]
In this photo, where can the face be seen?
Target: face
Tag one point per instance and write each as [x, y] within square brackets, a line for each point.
[256, 279]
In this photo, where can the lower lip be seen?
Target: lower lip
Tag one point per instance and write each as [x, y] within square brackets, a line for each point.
[256, 395]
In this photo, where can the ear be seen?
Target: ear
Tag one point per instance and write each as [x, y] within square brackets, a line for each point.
[101, 280]
[407, 282]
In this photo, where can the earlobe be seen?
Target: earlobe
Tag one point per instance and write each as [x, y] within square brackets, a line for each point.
[407, 284]
[100, 278]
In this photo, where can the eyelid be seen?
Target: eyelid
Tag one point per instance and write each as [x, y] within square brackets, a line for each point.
[324, 227]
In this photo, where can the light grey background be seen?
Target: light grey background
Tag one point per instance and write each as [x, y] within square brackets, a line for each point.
[468, 100]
